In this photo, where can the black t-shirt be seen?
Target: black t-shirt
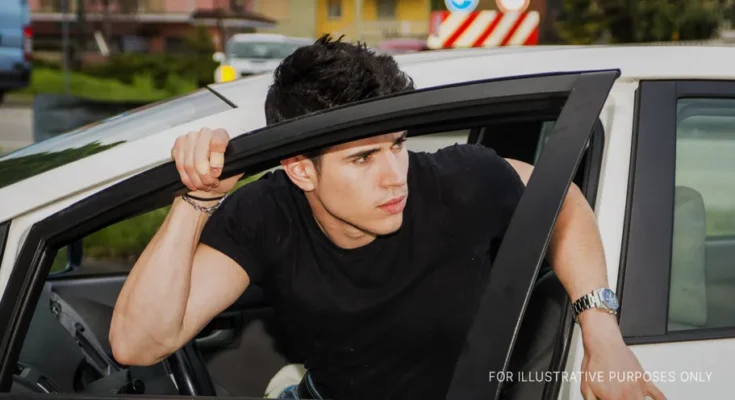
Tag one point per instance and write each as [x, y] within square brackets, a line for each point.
[386, 320]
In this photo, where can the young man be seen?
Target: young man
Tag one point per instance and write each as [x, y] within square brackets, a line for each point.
[373, 257]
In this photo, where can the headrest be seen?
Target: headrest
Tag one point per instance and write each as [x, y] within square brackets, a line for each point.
[688, 290]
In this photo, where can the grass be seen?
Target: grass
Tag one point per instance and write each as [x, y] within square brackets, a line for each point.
[125, 241]
[142, 89]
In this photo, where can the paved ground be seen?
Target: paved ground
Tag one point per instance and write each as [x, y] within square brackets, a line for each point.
[16, 127]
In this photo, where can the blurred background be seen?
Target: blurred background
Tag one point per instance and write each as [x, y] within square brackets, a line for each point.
[139, 51]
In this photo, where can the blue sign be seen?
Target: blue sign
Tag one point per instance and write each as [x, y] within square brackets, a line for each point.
[461, 5]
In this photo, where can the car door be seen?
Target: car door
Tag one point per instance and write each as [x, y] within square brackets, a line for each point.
[575, 97]
[677, 270]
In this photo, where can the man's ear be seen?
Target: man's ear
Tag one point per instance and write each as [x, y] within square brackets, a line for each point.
[301, 171]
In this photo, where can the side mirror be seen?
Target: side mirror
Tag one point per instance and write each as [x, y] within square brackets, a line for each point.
[219, 57]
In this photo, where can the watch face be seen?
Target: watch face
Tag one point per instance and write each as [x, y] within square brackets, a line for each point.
[608, 297]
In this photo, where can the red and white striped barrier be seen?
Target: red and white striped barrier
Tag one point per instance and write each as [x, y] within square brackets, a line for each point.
[483, 29]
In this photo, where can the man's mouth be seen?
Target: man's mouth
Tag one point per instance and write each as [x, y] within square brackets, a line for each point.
[394, 205]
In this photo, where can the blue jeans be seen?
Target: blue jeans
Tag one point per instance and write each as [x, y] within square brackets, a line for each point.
[290, 393]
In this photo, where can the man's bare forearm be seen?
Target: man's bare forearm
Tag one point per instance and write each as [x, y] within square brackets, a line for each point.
[577, 256]
[576, 251]
[150, 310]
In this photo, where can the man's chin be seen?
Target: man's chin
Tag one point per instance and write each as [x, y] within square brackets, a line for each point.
[389, 227]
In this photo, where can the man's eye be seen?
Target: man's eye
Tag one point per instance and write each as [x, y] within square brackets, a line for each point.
[362, 159]
[399, 143]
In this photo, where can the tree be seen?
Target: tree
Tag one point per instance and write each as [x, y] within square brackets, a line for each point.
[581, 22]
[635, 21]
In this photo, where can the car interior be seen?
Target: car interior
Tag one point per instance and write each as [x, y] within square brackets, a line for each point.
[702, 279]
[66, 348]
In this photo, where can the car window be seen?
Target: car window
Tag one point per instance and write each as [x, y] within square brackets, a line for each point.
[115, 248]
[702, 287]
[107, 133]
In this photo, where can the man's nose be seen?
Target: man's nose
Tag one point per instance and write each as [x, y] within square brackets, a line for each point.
[393, 173]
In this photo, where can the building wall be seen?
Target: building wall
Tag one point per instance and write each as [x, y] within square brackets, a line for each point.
[295, 17]
[411, 20]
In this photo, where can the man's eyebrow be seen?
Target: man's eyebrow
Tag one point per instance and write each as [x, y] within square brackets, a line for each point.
[402, 137]
[362, 153]
[367, 152]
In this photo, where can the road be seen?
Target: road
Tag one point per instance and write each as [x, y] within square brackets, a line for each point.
[16, 127]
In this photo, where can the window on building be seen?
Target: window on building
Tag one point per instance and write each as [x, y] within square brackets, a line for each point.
[334, 9]
[386, 8]
[702, 286]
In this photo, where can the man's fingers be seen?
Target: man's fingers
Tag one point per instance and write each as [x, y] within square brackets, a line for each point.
[219, 141]
[587, 392]
[217, 147]
[653, 392]
[178, 155]
[201, 151]
[190, 164]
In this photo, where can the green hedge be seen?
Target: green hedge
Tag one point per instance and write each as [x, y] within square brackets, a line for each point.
[141, 88]
[162, 68]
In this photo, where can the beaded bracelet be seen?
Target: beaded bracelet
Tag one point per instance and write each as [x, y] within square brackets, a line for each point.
[208, 210]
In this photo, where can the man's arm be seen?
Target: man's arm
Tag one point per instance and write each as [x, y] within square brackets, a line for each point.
[178, 285]
[577, 257]
[575, 251]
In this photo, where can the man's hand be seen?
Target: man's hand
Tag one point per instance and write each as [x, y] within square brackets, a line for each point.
[610, 370]
[200, 157]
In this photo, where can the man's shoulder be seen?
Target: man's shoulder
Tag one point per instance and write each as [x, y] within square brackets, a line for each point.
[460, 159]
[268, 194]
[273, 183]
[465, 174]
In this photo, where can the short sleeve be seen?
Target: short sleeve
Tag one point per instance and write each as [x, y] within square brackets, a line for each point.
[501, 191]
[484, 185]
[238, 228]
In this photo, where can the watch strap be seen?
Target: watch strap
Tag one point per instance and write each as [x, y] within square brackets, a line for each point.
[589, 301]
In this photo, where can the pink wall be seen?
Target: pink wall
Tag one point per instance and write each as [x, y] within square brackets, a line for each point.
[174, 6]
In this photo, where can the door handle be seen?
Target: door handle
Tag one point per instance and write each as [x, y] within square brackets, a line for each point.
[217, 338]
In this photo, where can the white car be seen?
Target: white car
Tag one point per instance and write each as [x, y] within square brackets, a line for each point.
[258, 53]
[648, 133]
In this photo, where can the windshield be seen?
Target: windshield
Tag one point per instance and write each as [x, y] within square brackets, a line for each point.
[262, 50]
[108, 133]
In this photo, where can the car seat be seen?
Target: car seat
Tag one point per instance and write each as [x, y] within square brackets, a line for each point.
[688, 284]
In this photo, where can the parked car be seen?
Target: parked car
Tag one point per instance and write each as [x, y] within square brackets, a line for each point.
[647, 133]
[15, 46]
[257, 53]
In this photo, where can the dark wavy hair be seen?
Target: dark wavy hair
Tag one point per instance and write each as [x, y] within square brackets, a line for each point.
[331, 73]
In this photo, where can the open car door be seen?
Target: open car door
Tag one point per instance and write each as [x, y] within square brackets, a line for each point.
[574, 98]
[489, 344]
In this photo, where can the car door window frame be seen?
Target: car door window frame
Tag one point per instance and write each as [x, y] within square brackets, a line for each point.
[423, 111]
[646, 254]
[490, 340]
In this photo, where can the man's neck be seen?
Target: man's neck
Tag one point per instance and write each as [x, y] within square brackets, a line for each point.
[341, 233]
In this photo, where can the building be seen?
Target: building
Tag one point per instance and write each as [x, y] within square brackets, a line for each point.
[294, 17]
[376, 21]
[143, 25]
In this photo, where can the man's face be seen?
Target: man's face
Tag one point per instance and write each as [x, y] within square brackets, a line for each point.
[364, 183]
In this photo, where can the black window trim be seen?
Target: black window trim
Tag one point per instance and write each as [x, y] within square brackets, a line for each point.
[251, 153]
[4, 230]
[645, 262]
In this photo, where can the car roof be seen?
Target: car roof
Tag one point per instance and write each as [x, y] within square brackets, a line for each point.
[428, 69]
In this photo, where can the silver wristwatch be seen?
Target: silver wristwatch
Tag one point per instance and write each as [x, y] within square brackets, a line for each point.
[603, 298]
